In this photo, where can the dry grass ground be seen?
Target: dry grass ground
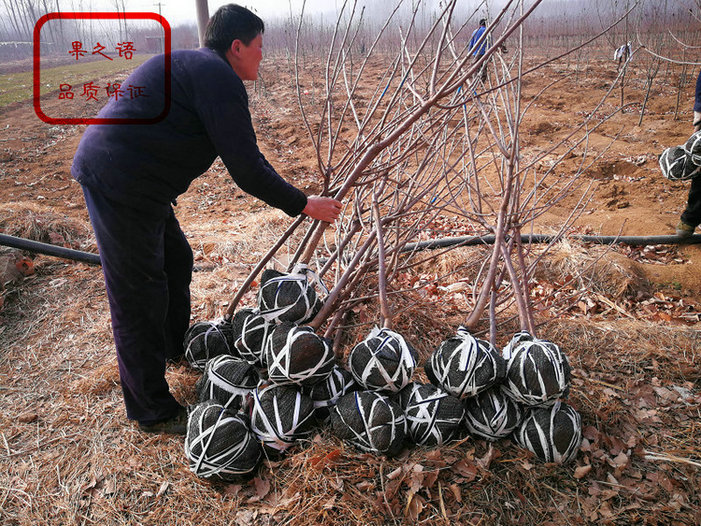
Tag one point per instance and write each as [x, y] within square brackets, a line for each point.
[69, 456]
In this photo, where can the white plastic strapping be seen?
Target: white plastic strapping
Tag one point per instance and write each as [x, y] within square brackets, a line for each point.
[422, 418]
[546, 432]
[394, 343]
[366, 439]
[273, 432]
[522, 361]
[216, 379]
[212, 331]
[304, 278]
[279, 362]
[492, 415]
[204, 464]
[467, 358]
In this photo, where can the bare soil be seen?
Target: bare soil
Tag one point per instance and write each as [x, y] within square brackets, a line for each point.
[68, 454]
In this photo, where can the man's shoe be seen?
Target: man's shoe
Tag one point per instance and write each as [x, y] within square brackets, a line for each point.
[176, 425]
[684, 230]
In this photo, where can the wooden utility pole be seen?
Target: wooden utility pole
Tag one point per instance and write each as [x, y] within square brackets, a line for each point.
[202, 19]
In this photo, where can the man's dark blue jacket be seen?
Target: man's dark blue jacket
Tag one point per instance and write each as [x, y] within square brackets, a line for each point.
[147, 165]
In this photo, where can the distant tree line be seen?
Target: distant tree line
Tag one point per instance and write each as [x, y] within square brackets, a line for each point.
[19, 17]
[555, 24]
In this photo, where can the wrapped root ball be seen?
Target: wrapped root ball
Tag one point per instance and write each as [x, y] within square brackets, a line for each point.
[289, 297]
[255, 330]
[492, 414]
[281, 414]
[554, 433]
[296, 355]
[516, 339]
[326, 393]
[433, 416]
[384, 361]
[226, 327]
[464, 366]
[693, 148]
[370, 421]
[677, 165]
[228, 381]
[238, 321]
[205, 340]
[219, 443]
[537, 372]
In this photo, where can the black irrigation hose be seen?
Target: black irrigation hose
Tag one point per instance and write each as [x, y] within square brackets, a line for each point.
[540, 238]
[49, 250]
[94, 259]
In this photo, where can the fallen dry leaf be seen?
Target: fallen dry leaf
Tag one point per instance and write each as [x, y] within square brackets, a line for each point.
[27, 418]
[262, 489]
[582, 471]
[364, 485]
[394, 474]
[466, 469]
[488, 457]
[110, 487]
[621, 461]
[414, 507]
[232, 490]
[163, 488]
[455, 490]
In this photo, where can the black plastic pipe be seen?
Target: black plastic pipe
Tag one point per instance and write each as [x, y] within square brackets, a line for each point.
[94, 259]
[50, 250]
[540, 238]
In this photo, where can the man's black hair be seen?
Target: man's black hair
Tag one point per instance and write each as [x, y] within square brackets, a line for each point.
[483, 22]
[231, 22]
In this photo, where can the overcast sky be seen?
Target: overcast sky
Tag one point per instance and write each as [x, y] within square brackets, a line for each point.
[183, 11]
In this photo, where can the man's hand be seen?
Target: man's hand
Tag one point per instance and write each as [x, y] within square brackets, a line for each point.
[697, 121]
[322, 208]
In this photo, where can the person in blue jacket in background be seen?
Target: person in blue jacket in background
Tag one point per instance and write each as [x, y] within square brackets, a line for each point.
[478, 51]
[131, 174]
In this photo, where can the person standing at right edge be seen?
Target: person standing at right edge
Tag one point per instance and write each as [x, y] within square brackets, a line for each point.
[691, 217]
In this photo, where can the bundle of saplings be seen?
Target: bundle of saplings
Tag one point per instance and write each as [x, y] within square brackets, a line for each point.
[370, 421]
[206, 339]
[383, 361]
[266, 364]
[229, 381]
[290, 297]
[258, 362]
[464, 366]
[219, 443]
[433, 416]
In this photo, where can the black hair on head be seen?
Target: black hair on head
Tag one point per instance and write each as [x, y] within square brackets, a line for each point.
[232, 22]
[483, 22]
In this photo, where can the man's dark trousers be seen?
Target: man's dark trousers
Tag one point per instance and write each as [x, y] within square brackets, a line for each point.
[147, 264]
[692, 215]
